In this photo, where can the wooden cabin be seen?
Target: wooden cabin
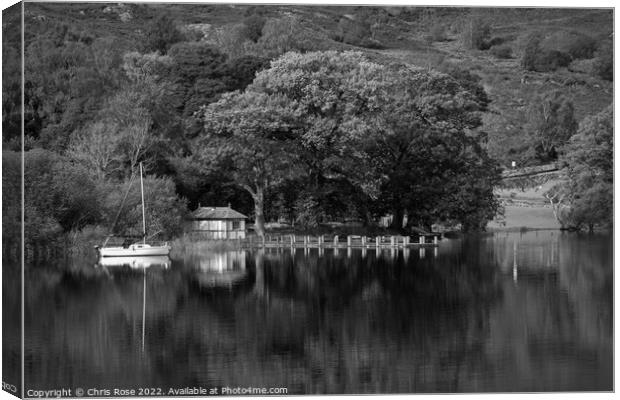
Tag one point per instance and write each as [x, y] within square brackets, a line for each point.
[217, 223]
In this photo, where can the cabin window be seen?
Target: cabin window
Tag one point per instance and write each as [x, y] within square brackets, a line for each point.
[236, 225]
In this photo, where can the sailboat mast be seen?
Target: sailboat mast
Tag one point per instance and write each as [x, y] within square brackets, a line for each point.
[143, 213]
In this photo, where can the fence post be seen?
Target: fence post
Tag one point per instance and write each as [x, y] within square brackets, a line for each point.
[378, 241]
[422, 239]
[336, 241]
[392, 241]
[306, 241]
[435, 240]
[348, 240]
[363, 240]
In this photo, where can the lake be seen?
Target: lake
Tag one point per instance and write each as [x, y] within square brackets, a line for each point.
[487, 313]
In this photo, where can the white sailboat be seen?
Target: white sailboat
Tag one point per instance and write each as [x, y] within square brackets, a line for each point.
[139, 249]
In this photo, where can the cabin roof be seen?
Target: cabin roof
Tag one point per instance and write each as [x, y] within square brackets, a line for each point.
[216, 213]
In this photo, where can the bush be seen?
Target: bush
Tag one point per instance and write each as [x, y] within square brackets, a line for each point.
[253, 27]
[535, 58]
[161, 34]
[502, 51]
[438, 33]
[575, 44]
[353, 32]
[604, 62]
[532, 50]
[370, 43]
[583, 47]
[475, 34]
[487, 44]
[552, 60]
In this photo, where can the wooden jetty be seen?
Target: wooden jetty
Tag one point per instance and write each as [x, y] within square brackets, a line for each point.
[340, 241]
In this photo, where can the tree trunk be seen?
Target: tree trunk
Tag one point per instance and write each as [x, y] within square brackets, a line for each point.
[259, 218]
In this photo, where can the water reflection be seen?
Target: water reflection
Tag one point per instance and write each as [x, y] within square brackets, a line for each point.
[335, 321]
[217, 269]
[134, 262]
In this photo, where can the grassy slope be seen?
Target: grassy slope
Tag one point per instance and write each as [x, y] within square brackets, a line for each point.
[516, 218]
[509, 87]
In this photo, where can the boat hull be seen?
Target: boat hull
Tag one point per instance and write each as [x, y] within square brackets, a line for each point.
[134, 251]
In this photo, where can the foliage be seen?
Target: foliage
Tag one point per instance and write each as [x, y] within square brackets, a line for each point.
[501, 51]
[66, 80]
[551, 124]
[198, 76]
[495, 41]
[582, 47]
[161, 34]
[588, 160]
[11, 194]
[281, 35]
[164, 209]
[469, 81]
[577, 45]
[247, 134]
[384, 131]
[96, 147]
[438, 33]
[242, 70]
[536, 58]
[604, 61]
[308, 211]
[475, 34]
[353, 31]
[59, 196]
[253, 24]
[11, 76]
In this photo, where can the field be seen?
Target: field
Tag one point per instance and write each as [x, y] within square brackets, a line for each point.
[516, 218]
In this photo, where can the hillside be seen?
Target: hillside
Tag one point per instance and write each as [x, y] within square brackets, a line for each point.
[402, 34]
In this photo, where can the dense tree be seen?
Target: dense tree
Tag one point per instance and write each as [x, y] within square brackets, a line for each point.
[604, 61]
[198, 76]
[161, 34]
[59, 195]
[363, 125]
[253, 26]
[586, 198]
[66, 79]
[551, 124]
[97, 148]
[122, 205]
[11, 75]
[248, 134]
[537, 58]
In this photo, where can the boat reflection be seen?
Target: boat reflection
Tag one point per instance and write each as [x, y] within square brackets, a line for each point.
[219, 269]
[135, 262]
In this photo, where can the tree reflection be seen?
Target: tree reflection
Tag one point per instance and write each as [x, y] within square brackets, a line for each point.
[329, 323]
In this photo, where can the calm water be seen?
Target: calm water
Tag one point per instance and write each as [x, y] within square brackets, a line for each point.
[503, 312]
